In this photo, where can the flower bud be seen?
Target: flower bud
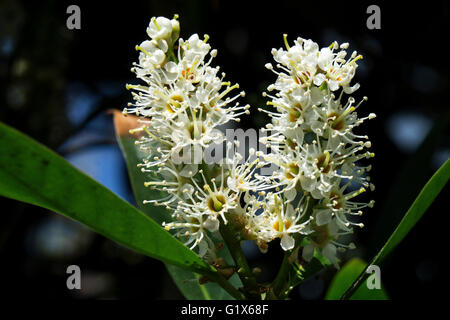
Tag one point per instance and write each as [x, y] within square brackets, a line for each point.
[175, 30]
[159, 28]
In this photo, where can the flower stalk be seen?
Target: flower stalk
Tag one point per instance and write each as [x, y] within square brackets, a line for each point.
[281, 280]
[227, 286]
[233, 242]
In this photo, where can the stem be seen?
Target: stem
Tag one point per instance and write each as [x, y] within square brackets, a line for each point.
[215, 276]
[278, 287]
[226, 285]
[171, 55]
[280, 281]
[244, 271]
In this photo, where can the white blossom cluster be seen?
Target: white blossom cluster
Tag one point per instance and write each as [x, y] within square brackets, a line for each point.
[181, 104]
[307, 201]
[315, 148]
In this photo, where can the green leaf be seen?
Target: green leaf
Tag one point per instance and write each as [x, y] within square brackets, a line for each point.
[190, 287]
[32, 173]
[346, 276]
[412, 216]
[186, 281]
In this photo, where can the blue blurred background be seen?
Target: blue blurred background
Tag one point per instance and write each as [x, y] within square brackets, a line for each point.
[57, 84]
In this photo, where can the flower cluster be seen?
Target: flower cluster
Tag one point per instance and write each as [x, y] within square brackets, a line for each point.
[181, 103]
[307, 202]
[315, 149]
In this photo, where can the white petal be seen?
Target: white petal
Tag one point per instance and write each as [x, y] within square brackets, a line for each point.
[307, 183]
[290, 212]
[308, 252]
[317, 194]
[162, 31]
[350, 90]
[318, 79]
[147, 45]
[189, 170]
[333, 85]
[157, 57]
[329, 251]
[211, 224]
[202, 248]
[290, 194]
[162, 44]
[232, 184]
[325, 58]
[171, 67]
[186, 190]
[287, 242]
[323, 217]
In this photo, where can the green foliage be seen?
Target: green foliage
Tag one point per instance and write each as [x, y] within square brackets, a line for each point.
[31, 173]
[412, 216]
[346, 276]
[188, 283]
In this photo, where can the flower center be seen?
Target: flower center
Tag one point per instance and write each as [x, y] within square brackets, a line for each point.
[334, 197]
[278, 225]
[196, 130]
[295, 113]
[323, 162]
[216, 202]
[337, 124]
[196, 222]
[292, 171]
[291, 144]
[175, 103]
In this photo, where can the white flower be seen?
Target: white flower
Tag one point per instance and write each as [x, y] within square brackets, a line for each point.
[281, 220]
[340, 206]
[195, 48]
[193, 228]
[337, 70]
[242, 176]
[152, 55]
[328, 251]
[159, 28]
[303, 65]
[181, 104]
[313, 144]
[324, 239]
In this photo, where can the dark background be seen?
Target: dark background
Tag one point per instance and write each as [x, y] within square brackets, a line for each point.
[56, 84]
